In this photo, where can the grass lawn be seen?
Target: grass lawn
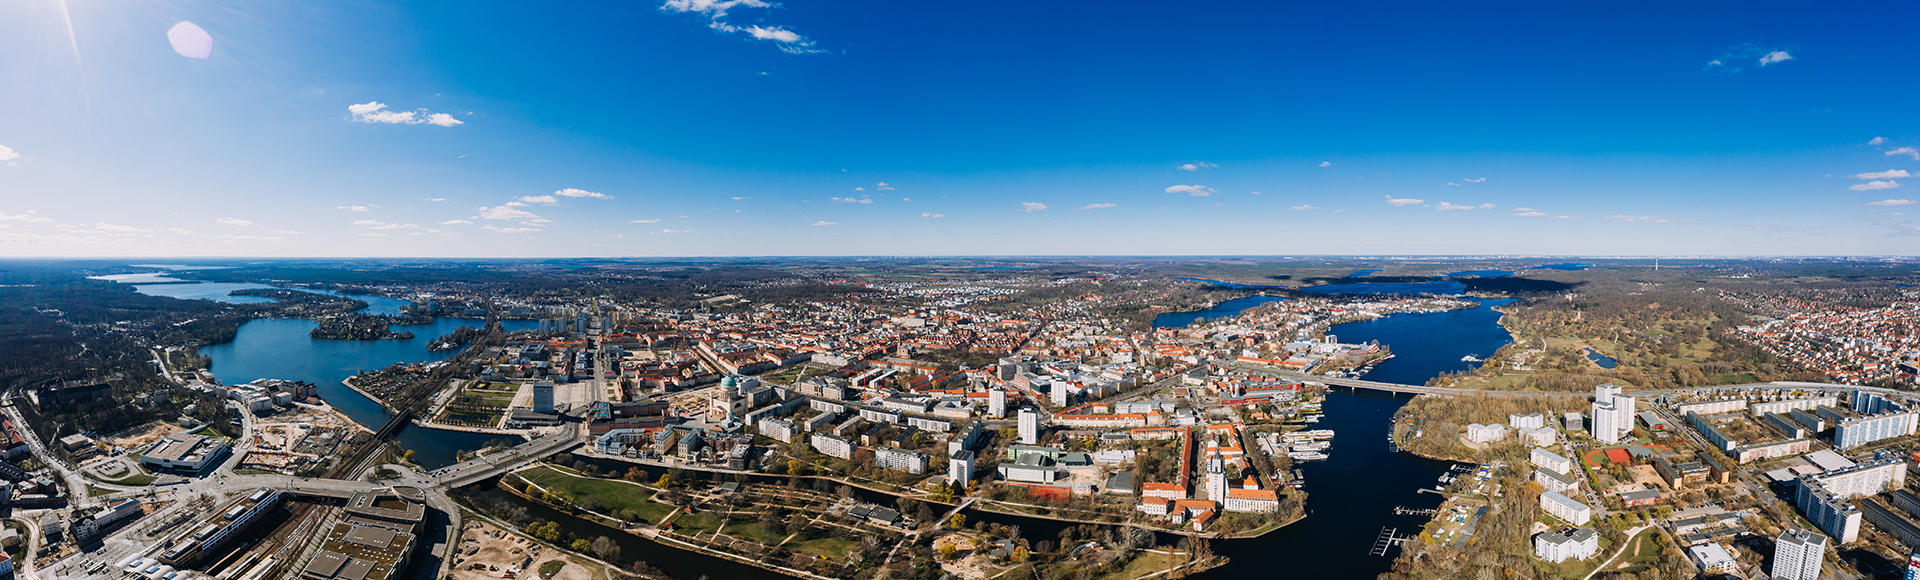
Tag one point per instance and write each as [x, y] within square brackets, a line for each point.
[615, 495]
[549, 569]
[756, 532]
[96, 491]
[1146, 563]
[830, 547]
[691, 524]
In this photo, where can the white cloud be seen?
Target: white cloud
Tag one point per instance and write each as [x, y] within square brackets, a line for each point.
[1736, 56]
[505, 213]
[380, 225]
[823, 224]
[25, 217]
[1775, 56]
[1631, 218]
[931, 215]
[739, 198]
[883, 187]
[1253, 193]
[859, 189]
[1097, 206]
[1197, 165]
[1888, 174]
[1326, 164]
[437, 199]
[234, 222]
[651, 221]
[571, 192]
[866, 200]
[1444, 206]
[1032, 206]
[1403, 201]
[546, 199]
[1877, 141]
[1303, 208]
[773, 33]
[7, 154]
[716, 13]
[1193, 190]
[1891, 202]
[673, 231]
[1530, 214]
[354, 207]
[683, 216]
[1475, 180]
[1873, 185]
[1452, 184]
[510, 230]
[107, 227]
[1907, 151]
[906, 199]
[376, 112]
[456, 223]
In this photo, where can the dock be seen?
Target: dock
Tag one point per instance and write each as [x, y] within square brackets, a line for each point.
[1407, 511]
[1388, 538]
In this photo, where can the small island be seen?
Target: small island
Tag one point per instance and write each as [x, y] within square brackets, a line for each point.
[360, 327]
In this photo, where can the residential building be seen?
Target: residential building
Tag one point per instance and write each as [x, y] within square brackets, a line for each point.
[777, 430]
[898, 459]
[1539, 436]
[1526, 420]
[1575, 544]
[834, 446]
[1486, 433]
[1555, 481]
[1550, 460]
[996, 402]
[1574, 422]
[1858, 431]
[1029, 426]
[1565, 508]
[1713, 559]
[960, 467]
[1759, 409]
[1612, 414]
[1714, 407]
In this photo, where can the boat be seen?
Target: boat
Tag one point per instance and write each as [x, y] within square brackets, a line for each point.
[1307, 455]
[1318, 446]
[1469, 358]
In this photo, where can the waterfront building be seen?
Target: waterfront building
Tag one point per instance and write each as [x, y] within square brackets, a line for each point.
[1526, 420]
[960, 467]
[898, 459]
[840, 447]
[1216, 482]
[1029, 426]
[1565, 508]
[1550, 460]
[1486, 433]
[1539, 436]
[1252, 500]
[1575, 544]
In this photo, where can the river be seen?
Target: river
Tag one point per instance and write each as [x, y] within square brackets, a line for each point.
[1351, 495]
[280, 348]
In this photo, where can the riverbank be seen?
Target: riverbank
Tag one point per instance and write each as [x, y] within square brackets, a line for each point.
[376, 400]
[979, 504]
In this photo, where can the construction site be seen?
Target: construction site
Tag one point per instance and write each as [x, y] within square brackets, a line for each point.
[303, 436]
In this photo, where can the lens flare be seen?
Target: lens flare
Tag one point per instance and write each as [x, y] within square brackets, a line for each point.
[190, 41]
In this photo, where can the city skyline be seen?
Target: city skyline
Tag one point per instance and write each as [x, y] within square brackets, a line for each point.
[741, 128]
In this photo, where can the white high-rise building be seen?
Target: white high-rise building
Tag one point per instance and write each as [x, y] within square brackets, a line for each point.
[1797, 555]
[1216, 479]
[1029, 426]
[1058, 391]
[996, 402]
[1612, 414]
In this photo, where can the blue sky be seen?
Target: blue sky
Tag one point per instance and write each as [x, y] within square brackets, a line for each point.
[694, 127]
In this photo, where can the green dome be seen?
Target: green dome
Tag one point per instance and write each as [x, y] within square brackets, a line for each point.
[729, 382]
